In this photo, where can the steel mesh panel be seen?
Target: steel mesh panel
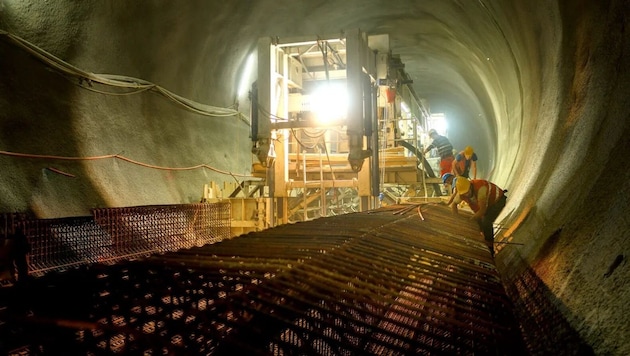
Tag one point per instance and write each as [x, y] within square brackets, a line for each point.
[545, 328]
[114, 234]
[366, 283]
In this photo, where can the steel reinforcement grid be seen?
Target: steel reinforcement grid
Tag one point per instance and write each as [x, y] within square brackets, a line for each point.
[115, 234]
[387, 282]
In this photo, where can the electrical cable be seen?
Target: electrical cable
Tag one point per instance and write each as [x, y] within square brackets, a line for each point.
[300, 142]
[332, 171]
[122, 158]
[267, 113]
[382, 155]
[112, 93]
[116, 80]
[319, 134]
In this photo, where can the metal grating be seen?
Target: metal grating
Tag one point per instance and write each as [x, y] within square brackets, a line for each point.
[394, 281]
[115, 234]
[546, 330]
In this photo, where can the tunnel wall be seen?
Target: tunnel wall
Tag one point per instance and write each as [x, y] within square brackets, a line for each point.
[541, 85]
[569, 191]
[47, 112]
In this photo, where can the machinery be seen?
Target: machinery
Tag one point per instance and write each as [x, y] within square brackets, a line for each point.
[335, 126]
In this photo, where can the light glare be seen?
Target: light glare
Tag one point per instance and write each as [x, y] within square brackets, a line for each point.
[330, 103]
[438, 122]
[243, 86]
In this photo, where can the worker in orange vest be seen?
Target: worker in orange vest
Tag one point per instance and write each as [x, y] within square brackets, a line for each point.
[485, 199]
[464, 162]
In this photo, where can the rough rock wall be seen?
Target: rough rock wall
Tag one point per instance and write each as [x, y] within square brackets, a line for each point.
[45, 112]
[570, 215]
[537, 87]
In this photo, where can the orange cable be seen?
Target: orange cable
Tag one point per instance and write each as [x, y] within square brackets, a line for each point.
[26, 155]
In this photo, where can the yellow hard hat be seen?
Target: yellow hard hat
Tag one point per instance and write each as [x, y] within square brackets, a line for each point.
[468, 151]
[462, 185]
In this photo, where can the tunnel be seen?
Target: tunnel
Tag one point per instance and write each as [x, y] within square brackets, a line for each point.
[538, 88]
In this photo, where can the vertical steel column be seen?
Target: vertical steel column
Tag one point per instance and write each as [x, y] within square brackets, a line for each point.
[355, 121]
[263, 103]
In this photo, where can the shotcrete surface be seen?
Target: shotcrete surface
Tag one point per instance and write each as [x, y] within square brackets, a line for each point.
[537, 87]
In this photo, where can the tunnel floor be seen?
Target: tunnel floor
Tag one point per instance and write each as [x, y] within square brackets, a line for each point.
[403, 279]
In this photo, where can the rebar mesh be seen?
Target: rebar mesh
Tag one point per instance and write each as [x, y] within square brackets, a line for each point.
[114, 234]
[364, 283]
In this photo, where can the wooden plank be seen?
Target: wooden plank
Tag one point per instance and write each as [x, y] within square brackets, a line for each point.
[325, 184]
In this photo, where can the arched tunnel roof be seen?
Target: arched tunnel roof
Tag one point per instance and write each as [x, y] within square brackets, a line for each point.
[537, 87]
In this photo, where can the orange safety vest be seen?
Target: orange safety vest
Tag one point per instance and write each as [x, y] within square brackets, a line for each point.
[464, 164]
[494, 193]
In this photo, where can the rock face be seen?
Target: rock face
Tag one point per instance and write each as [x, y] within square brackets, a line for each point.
[537, 87]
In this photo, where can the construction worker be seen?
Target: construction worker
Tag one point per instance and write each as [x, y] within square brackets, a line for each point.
[485, 199]
[449, 182]
[465, 161]
[445, 151]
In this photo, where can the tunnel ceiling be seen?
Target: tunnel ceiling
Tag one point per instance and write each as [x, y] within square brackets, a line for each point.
[479, 62]
[482, 63]
[461, 55]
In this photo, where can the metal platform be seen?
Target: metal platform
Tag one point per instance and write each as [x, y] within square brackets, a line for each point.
[400, 280]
